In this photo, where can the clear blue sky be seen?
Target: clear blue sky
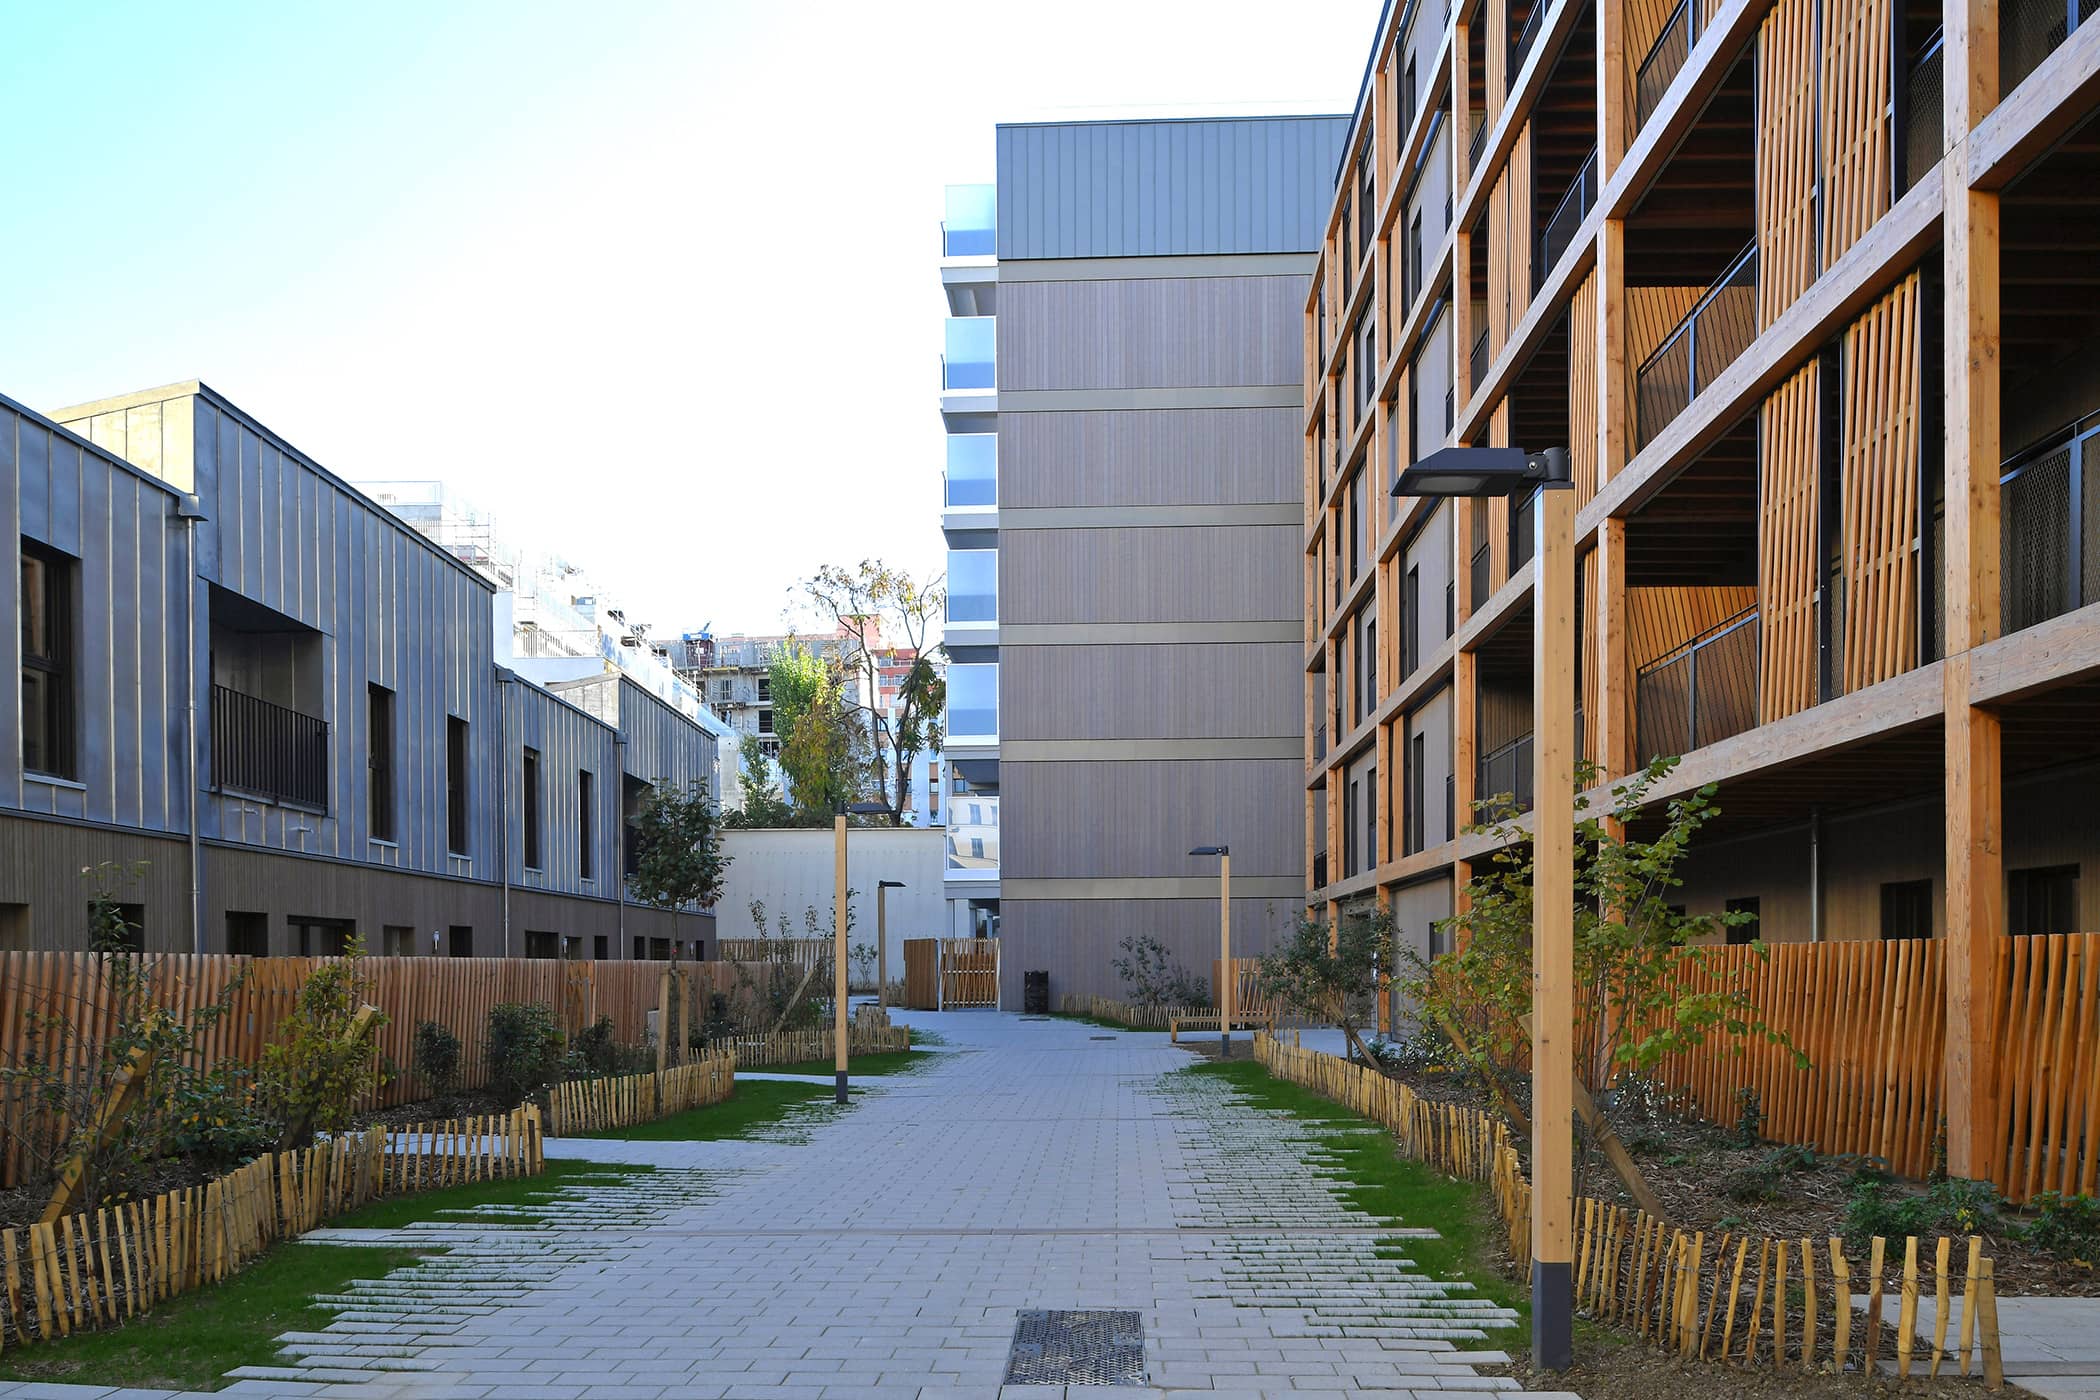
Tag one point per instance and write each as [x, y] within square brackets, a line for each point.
[653, 282]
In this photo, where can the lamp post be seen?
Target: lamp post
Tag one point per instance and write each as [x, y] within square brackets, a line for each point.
[882, 942]
[1504, 471]
[838, 938]
[1224, 855]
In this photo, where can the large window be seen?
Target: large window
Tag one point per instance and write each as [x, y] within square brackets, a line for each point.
[973, 701]
[973, 469]
[973, 585]
[456, 785]
[47, 661]
[2042, 899]
[532, 809]
[1906, 909]
[379, 760]
[586, 823]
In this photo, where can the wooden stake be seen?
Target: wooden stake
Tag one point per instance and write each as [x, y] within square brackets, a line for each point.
[1735, 1289]
[1907, 1311]
[1841, 1301]
[1987, 1305]
[1873, 1341]
[1939, 1305]
[1968, 1300]
[1808, 1290]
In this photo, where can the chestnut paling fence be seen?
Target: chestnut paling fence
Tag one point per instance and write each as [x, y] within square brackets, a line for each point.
[57, 1008]
[1752, 1299]
[100, 1267]
[594, 1105]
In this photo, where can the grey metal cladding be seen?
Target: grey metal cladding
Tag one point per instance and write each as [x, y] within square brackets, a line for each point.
[1151, 457]
[569, 742]
[1159, 188]
[1152, 333]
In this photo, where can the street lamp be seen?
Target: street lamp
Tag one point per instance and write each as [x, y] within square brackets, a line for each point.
[1507, 471]
[882, 942]
[838, 937]
[1224, 855]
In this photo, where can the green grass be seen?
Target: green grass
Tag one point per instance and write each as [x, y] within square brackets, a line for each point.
[1103, 1023]
[395, 1212]
[757, 1103]
[189, 1343]
[884, 1062]
[1377, 1180]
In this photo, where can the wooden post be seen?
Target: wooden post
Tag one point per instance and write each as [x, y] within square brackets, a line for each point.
[1225, 977]
[838, 954]
[130, 1079]
[882, 947]
[1553, 929]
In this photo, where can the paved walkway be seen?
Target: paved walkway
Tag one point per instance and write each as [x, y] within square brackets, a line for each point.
[888, 1251]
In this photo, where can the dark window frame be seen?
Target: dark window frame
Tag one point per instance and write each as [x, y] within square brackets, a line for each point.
[1906, 909]
[458, 736]
[586, 824]
[54, 666]
[2040, 897]
[380, 814]
[1739, 934]
[530, 805]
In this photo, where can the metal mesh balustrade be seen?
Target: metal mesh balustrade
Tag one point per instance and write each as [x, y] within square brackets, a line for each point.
[1665, 59]
[1922, 137]
[1566, 219]
[1707, 341]
[1526, 37]
[2049, 557]
[2030, 30]
[1701, 694]
[1477, 363]
[1504, 786]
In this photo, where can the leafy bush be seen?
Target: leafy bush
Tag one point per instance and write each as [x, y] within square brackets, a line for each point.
[436, 1055]
[215, 1121]
[594, 1054]
[1152, 977]
[1956, 1206]
[2066, 1228]
[322, 1063]
[1766, 1178]
[1749, 1117]
[524, 1050]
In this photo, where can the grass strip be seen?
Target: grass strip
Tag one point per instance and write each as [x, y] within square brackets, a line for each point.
[397, 1212]
[882, 1062]
[191, 1342]
[756, 1104]
[1377, 1180]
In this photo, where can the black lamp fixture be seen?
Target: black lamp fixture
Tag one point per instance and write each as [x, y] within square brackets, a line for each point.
[1486, 471]
[889, 884]
[1211, 851]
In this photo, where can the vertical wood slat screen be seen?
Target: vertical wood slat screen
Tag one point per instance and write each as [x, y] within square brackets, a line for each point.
[1855, 82]
[1589, 637]
[1659, 620]
[1786, 95]
[1498, 271]
[1786, 547]
[1517, 245]
[1879, 486]
[1582, 389]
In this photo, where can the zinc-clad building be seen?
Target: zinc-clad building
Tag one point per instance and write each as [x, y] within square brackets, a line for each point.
[364, 764]
[1149, 349]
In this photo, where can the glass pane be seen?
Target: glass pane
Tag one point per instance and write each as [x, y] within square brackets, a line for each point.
[970, 228]
[973, 701]
[967, 363]
[973, 469]
[973, 585]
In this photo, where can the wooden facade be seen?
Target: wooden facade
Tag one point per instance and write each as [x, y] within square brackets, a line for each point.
[1819, 247]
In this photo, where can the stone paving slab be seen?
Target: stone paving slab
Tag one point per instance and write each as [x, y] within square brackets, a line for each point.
[886, 1251]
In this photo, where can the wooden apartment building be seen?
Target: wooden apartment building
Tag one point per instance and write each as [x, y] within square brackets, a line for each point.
[1806, 289]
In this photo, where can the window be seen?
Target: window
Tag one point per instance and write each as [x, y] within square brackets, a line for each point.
[586, 823]
[973, 585]
[1906, 909]
[379, 760]
[320, 938]
[1370, 818]
[542, 943]
[1357, 525]
[47, 661]
[14, 928]
[1747, 931]
[1413, 269]
[129, 936]
[1349, 825]
[1369, 671]
[2042, 899]
[455, 785]
[601, 947]
[1409, 95]
[572, 947]
[397, 941]
[247, 933]
[1413, 838]
[459, 941]
[765, 721]
[765, 689]
[633, 793]
[532, 809]
[1410, 621]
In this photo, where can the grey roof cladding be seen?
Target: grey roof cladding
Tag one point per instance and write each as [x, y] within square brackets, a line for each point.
[1194, 186]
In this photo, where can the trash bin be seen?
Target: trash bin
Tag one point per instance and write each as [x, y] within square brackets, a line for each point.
[1035, 993]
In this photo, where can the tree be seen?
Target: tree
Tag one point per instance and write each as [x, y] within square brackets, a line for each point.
[678, 849]
[1329, 972]
[823, 741]
[763, 805]
[886, 612]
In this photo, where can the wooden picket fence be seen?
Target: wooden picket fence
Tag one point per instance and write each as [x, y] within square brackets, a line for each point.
[594, 1105]
[1650, 1278]
[795, 1047]
[1123, 1013]
[98, 1268]
[801, 952]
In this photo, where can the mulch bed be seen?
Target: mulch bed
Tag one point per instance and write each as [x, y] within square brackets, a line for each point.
[1633, 1372]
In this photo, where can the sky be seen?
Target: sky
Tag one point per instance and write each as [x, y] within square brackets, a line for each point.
[654, 284]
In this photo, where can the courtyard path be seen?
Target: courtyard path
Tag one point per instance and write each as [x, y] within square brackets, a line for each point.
[890, 1251]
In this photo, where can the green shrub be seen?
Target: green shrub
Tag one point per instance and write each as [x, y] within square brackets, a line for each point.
[2066, 1228]
[1749, 1117]
[524, 1050]
[322, 1064]
[594, 1054]
[1956, 1206]
[436, 1056]
[215, 1121]
[1766, 1178]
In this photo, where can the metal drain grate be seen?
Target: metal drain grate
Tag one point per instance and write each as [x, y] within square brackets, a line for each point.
[1100, 1037]
[1094, 1347]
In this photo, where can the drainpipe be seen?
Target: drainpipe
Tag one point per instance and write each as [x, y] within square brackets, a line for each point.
[503, 813]
[1815, 874]
[620, 862]
[189, 510]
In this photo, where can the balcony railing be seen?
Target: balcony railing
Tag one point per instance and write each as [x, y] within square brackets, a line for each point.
[1566, 218]
[267, 749]
[1504, 786]
[2049, 513]
[1664, 61]
[1319, 743]
[1482, 584]
[1478, 117]
[1719, 327]
[2030, 30]
[1526, 37]
[1477, 362]
[1924, 102]
[1700, 694]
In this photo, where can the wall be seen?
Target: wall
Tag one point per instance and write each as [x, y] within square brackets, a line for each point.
[569, 742]
[792, 870]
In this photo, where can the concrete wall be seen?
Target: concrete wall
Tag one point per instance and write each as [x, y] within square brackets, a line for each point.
[791, 870]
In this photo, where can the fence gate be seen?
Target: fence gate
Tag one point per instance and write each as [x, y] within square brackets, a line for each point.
[969, 973]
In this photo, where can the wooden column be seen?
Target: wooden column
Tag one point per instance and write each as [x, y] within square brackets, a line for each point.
[838, 954]
[1613, 724]
[1553, 929]
[1225, 977]
[1975, 859]
[1614, 118]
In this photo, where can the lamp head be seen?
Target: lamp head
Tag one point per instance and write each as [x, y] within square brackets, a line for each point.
[868, 809]
[1211, 851]
[1485, 471]
[889, 884]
